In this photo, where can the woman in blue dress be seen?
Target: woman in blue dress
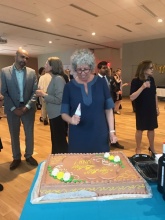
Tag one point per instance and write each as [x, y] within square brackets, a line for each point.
[90, 129]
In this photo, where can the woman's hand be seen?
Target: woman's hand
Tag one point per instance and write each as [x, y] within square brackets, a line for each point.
[146, 84]
[75, 120]
[119, 92]
[125, 84]
[40, 93]
[113, 138]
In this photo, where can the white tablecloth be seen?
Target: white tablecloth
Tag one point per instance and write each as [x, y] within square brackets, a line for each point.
[160, 92]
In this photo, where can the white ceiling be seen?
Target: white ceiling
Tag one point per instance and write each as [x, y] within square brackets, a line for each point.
[23, 23]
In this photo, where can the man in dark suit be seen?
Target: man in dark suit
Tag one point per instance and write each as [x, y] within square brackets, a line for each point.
[104, 72]
[19, 84]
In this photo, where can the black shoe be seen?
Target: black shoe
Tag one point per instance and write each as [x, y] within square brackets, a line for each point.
[1, 187]
[117, 112]
[45, 122]
[117, 145]
[41, 119]
[15, 164]
[152, 153]
[31, 161]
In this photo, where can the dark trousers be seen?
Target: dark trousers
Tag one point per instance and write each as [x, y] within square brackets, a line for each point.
[58, 135]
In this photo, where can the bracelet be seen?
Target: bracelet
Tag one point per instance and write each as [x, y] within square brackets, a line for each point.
[112, 131]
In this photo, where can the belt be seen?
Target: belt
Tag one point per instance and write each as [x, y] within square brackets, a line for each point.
[22, 103]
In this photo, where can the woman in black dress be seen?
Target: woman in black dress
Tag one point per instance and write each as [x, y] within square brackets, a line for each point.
[143, 93]
[117, 93]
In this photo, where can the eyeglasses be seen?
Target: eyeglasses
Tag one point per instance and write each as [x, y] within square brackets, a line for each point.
[83, 70]
[24, 57]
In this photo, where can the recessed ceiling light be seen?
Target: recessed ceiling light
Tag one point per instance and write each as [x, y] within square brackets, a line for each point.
[48, 20]
[160, 20]
[50, 42]
[93, 33]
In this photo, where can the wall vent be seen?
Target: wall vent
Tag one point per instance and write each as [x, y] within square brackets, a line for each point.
[151, 13]
[126, 29]
[84, 10]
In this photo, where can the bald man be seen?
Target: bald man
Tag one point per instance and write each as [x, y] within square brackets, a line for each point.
[19, 84]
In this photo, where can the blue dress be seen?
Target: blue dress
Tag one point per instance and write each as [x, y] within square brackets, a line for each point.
[91, 135]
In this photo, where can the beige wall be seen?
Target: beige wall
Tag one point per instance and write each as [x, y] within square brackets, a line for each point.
[63, 55]
[133, 53]
[6, 60]
[108, 54]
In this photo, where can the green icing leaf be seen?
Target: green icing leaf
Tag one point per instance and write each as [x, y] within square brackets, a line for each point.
[71, 178]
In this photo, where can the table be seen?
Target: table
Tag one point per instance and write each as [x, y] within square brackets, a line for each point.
[160, 90]
[130, 209]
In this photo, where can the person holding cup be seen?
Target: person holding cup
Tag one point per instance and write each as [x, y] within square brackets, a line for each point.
[143, 93]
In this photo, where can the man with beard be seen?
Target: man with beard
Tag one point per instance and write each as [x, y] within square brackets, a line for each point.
[19, 84]
[103, 71]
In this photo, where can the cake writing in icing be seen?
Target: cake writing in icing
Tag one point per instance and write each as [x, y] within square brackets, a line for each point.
[62, 174]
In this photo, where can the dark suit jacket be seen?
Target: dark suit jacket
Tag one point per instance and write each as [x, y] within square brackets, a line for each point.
[10, 88]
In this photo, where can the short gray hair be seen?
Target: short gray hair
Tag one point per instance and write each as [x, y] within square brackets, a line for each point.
[83, 57]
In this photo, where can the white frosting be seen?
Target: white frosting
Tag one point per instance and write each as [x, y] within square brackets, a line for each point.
[55, 171]
[116, 159]
[106, 155]
[66, 176]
